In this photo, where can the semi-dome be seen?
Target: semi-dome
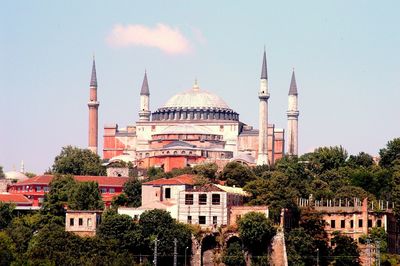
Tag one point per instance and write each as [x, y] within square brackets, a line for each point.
[195, 104]
[15, 175]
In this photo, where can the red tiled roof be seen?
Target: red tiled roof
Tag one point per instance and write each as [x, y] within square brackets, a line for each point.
[14, 198]
[178, 180]
[101, 180]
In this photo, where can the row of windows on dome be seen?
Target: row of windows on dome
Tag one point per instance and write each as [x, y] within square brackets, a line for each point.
[194, 115]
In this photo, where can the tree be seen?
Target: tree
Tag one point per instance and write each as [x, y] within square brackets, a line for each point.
[256, 231]
[7, 249]
[325, 158]
[6, 214]
[301, 249]
[57, 198]
[360, 160]
[76, 161]
[2, 175]
[85, 196]
[207, 170]
[132, 194]
[233, 255]
[122, 230]
[390, 154]
[236, 174]
[346, 251]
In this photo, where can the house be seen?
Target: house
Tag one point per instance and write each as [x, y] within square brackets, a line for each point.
[36, 187]
[19, 201]
[82, 223]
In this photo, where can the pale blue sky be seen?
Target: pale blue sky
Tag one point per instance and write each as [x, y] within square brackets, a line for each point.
[346, 56]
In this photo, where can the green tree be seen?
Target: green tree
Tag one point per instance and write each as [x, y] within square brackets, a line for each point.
[57, 198]
[346, 251]
[76, 161]
[233, 255]
[236, 174]
[7, 249]
[300, 246]
[256, 231]
[362, 159]
[207, 170]
[390, 154]
[395, 193]
[122, 230]
[325, 158]
[2, 175]
[6, 214]
[132, 194]
[85, 196]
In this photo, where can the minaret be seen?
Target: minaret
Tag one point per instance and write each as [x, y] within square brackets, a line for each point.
[93, 105]
[263, 95]
[293, 116]
[144, 113]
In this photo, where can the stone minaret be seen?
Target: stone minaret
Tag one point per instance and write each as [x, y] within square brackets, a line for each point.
[263, 95]
[293, 116]
[93, 112]
[144, 113]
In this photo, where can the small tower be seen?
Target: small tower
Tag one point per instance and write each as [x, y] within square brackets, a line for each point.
[263, 95]
[293, 116]
[144, 113]
[93, 105]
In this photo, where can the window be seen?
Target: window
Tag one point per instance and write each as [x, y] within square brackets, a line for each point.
[168, 193]
[111, 190]
[189, 219]
[379, 223]
[360, 223]
[80, 221]
[202, 220]
[215, 219]
[351, 224]
[38, 189]
[41, 200]
[369, 223]
[333, 223]
[89, 222]
[71, 221]
[342, 224]
[46, 189]
[216, 199]
[189, 199]
[103, 190]
[202, 199]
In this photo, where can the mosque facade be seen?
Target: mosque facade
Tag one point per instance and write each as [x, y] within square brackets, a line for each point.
[194, 127]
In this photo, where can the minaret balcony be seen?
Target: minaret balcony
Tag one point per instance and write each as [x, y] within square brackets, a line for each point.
[93, 103]
[263, 96]
[292, 114]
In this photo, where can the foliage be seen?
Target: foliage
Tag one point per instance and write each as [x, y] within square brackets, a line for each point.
[85, 196]
[360, 160]
[300, 246]
[132, 194]
[207, 170]
[390, 154]
[233, 255]
[346, 251]
[2, 175]
[325, 158]
[56, 199]
[236, 174]
[153, 172]
[256, 231]
[76, 161]
[7, 249]
[6, 214]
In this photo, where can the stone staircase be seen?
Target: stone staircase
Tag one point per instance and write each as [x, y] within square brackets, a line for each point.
[278, 250]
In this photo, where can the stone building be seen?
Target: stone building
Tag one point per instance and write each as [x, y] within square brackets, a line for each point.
[82, 223]
[193, 127]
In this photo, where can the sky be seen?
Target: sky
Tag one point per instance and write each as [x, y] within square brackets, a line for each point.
[345, 55]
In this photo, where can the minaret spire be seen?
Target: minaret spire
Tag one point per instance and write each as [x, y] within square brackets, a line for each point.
[293, 117]
[93, 105]
[263, 96]
[144, 112]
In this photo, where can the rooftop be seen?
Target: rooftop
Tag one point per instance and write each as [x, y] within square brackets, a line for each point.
[101, 180]
[185, 179]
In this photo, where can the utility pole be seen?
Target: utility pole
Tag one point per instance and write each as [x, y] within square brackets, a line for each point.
[186, 255]
[175, 252]
[317, 256]
[155, 251]
[378, 253]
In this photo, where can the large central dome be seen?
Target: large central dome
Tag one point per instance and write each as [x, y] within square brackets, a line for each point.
[195, 104]
[196, 98]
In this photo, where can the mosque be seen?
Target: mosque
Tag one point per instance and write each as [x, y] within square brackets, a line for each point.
[194, 127]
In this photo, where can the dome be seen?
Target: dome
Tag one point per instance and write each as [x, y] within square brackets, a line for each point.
[15, 175]
[195, 104]
[196, 98]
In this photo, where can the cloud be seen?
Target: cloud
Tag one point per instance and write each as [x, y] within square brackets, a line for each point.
[168, 39]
